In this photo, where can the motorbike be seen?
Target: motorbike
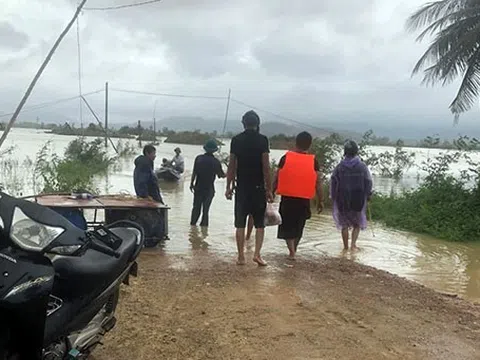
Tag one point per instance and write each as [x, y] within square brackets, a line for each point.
[59, 284]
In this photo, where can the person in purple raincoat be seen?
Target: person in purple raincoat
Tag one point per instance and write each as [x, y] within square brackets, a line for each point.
[350, 191]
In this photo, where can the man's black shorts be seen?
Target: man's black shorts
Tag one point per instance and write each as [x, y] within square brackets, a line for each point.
[250, 202]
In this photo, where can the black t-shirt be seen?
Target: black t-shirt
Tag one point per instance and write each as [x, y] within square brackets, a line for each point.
[248, 147]
[207, 167]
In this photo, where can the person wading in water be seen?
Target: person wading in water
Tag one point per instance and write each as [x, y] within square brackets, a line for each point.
[205, 169]
[350, 191]
[249, 164]
[297, 180]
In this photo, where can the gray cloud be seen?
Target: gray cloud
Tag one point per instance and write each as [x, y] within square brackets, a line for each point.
[308, 60]
[10, 38]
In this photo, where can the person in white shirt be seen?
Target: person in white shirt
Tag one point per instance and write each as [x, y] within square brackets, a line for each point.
[177, 162]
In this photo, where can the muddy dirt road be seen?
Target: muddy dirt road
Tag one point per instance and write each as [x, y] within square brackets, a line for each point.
[203, 308]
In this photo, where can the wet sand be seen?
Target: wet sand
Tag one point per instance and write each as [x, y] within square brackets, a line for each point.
[200, 307]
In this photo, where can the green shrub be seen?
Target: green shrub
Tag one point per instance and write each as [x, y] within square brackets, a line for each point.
[443, 206]
[74, 171]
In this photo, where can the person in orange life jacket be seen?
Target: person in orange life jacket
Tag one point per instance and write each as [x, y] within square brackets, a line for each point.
[297, 180]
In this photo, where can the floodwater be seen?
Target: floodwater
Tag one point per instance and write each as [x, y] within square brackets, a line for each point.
[444, 266]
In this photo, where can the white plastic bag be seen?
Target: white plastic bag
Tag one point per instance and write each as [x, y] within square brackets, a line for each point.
[272, 216]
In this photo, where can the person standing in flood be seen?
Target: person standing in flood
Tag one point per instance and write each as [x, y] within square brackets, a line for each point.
[350, 190]
[249, 165]
[144, 179]
[205, 169]
[297, 180]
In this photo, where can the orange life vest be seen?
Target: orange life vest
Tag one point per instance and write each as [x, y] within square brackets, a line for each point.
[297, 178]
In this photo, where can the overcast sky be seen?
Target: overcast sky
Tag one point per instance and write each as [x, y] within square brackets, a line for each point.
[311, 60]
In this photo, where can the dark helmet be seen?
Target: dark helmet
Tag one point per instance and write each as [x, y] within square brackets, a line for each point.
[251, 119]
[350, 148]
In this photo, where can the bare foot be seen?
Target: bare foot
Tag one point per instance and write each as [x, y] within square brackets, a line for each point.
[355, 248]
[259, 261]
[241, 261]
[291, 257]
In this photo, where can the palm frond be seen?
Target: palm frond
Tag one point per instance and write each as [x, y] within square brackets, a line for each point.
[451, 47]
[447, 20]
[432, 12]
[455, 49]
[469, 89]
[450, 52]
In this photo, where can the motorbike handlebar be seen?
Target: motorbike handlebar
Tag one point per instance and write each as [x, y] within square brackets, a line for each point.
[98, 246]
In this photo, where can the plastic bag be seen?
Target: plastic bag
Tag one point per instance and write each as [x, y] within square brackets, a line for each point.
[272, 216]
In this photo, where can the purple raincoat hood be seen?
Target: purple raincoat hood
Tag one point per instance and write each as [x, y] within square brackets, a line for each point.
[350, 162]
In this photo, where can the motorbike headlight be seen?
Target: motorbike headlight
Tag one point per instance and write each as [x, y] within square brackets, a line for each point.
[31, 235]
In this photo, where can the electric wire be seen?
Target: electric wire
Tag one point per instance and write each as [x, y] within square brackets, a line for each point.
[118, 7]
[52, 103]
[170, 95]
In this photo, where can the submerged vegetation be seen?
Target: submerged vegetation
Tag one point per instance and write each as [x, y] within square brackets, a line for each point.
[77, 169]
[443, 206]
[91, 130]
[191, 137]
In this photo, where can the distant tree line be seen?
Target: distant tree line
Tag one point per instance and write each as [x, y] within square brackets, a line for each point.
[197, 137]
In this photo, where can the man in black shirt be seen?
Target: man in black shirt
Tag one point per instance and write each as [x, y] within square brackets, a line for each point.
[249, 165]
[205, 169]
[144, 179]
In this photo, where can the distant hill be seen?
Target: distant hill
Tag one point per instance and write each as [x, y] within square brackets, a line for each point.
[351, 126]
[184, 123]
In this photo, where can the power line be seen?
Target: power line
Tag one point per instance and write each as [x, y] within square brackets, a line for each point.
[80, 105]
[39, 73]
[51, 103]
[274, 114]
[122, 6]
[170, 95]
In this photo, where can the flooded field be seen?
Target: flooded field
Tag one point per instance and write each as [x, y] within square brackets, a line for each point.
[444, 266]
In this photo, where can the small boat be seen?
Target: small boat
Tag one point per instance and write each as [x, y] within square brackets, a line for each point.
[168, 174]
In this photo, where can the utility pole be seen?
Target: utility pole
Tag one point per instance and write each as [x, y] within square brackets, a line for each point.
[106, 114]
[139, 130]
[155, 123]
[226, 112]
[39, 73]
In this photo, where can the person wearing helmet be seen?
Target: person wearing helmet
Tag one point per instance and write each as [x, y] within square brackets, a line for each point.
[350, 191]
[249, 166]
[177, 161]
[205, 169]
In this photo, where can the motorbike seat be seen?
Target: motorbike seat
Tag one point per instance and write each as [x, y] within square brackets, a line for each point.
[77, 276]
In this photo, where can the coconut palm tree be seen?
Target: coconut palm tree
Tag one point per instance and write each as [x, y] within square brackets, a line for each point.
[455, 49]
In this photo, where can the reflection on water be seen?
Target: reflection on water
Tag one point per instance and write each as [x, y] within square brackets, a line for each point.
[197, 237]
[449, 267]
